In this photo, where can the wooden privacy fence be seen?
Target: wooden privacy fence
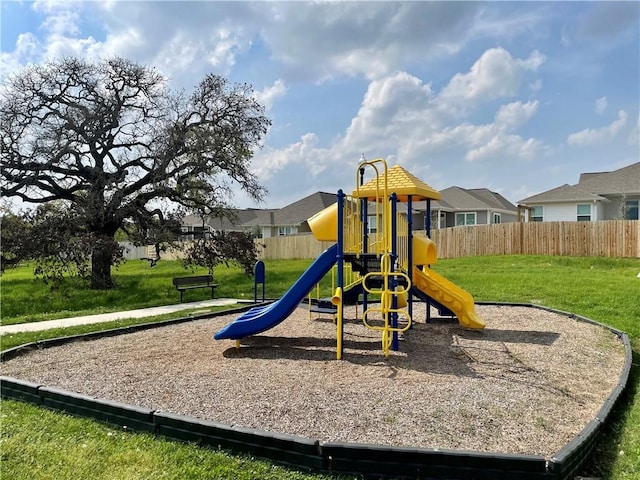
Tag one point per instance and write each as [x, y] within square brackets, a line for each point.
[611, 238]
[290, 246]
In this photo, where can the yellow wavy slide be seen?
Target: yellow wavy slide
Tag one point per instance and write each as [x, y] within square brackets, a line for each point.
[443, 291]
[447, 293]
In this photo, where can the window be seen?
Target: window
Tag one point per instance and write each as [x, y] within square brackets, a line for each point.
[467, 218]
[372, 224]
[631, 210]
[191, 232]
[497, 218]
[584, 212]
[201, 231]
[536, 214]
[443, 220]
[285, 231]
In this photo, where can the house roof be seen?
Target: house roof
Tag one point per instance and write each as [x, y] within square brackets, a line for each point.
[293, 214]
[298, 212]
[623, 180]
[462, 199]
[402, 183]
[236, 219]
[563, 193]
[592, 186]
[457, 198]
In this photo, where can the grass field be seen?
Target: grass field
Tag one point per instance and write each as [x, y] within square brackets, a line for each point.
[38, 444]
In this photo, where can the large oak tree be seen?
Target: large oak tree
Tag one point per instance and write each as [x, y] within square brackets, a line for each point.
[112, 140]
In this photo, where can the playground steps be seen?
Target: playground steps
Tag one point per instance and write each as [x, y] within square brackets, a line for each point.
[321, 305]
[365, 263]
[324, 305]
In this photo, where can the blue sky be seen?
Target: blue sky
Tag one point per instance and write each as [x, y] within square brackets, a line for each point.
[517, 97]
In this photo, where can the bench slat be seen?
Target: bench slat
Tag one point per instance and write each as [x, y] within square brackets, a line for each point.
[196, 281]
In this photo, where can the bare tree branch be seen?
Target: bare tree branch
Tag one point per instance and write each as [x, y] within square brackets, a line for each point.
[115, 142]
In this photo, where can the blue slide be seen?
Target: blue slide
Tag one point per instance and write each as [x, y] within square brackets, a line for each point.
[263, 318]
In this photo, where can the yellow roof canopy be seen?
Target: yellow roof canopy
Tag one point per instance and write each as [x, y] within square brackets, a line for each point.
[403, 183]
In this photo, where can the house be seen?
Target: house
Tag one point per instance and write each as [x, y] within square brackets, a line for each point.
[460, 206]
[292, 219]
[597, 196]
[265, 223]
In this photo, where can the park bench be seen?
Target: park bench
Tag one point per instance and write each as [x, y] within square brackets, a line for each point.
[198, 281]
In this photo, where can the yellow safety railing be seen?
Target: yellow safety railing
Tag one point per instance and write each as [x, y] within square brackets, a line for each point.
[352, 226]
[402, 241]
[380, 241]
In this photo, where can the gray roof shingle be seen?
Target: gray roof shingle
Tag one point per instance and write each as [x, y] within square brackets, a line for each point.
[298, 212]
[460, 199]
[624, 180]
[242, 219]
[591, 186]
[563, 193]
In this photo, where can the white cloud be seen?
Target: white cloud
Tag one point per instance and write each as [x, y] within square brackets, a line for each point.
[398, 97]
[399, 119]
[489, 142]
[268, 96]
[601, 105]
[224, 46]
[513, 115]
[314, 41]
[48, 6]
[185, 40]
[598, 136]
[501, 145]
[396, 111]
[178, 54]
[62, 24]
[26, 51]
[269, 161]
[121, 43]
[60, 46]
[494, 75]
[369, 39]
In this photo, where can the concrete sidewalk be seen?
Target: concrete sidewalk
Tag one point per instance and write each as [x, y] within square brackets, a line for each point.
[108, 317]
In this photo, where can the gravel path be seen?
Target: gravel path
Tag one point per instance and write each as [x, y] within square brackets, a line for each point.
[526, 384]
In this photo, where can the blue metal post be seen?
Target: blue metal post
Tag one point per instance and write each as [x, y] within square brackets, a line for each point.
[410, 250]
[394, 256]
[259, 277]
[428, 228]
[365, 245]
[340, 260]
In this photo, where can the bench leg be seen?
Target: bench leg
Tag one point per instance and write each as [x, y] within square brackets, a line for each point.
[181, 292]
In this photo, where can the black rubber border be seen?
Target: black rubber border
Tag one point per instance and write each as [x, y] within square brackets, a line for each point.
[368, 461]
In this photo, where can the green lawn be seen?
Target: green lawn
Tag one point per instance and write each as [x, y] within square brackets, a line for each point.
[25, 299]
[39, 444]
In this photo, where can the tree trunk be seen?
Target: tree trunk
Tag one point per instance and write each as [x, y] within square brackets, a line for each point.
[101, 266]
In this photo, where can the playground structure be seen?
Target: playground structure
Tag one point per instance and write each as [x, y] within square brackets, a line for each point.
[392, 265]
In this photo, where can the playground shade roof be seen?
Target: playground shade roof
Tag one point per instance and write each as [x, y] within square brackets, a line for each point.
[403, 183]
